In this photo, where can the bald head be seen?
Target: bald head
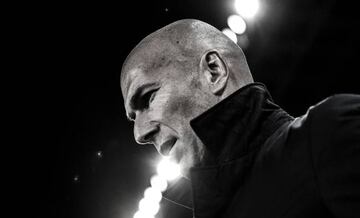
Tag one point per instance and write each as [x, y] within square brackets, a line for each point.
[184, 43]
[174, 75]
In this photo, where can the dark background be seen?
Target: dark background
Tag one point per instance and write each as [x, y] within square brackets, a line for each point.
[302, 50]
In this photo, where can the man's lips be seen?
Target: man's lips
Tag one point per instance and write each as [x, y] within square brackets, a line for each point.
[166, 147]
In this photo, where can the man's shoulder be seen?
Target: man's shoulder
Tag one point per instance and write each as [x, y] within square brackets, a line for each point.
[330, 111]
[335, 119]
[330, 121]
[335, 110]
[337, 104]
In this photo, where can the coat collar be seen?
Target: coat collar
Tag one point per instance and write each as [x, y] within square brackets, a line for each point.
[238, 124]
[230, 130]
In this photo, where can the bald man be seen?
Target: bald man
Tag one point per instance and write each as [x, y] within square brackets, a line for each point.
[189, 91]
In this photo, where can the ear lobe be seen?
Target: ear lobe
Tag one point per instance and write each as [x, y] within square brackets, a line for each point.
[215, 71]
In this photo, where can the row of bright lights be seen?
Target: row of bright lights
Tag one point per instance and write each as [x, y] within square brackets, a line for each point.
[246, 9]
[149, 205]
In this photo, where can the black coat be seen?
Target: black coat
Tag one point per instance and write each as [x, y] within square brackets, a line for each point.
[265, 163]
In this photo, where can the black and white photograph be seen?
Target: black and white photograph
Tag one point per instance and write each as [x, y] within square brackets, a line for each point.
[190, 109]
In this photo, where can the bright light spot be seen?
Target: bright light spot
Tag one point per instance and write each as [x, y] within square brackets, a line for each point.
[158, 183]
[247, 8]
[153, 194]
[168, 169]
[148, 206]
[229, 33]
[76, 178]
[141, 214]
[99, 154]
[236, 24]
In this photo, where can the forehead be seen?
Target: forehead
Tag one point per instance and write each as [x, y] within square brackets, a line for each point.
[159, 67]
[133, 78]
[138, 78]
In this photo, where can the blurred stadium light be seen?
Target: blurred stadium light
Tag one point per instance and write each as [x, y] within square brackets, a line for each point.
[168, 169]
[149, 205]
[247, 8]
[158, 183]
[229, 33]
[236, 24]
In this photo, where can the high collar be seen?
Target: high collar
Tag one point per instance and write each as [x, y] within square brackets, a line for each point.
[236, 126]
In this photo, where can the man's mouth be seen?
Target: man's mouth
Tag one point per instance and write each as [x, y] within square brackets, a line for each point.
[166, 147]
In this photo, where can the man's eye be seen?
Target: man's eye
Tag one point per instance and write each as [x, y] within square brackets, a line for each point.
[147, 98]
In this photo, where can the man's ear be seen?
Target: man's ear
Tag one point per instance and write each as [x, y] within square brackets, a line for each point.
[215, 71]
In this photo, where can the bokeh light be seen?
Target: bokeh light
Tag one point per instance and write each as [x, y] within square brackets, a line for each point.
[153, 194]
[247, 8]
[236, 24]
[141, 214]
[229, 33]
[148, 206]
[168, 169]
[158, 183]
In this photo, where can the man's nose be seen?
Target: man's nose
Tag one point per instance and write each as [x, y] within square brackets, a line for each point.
[144, 131]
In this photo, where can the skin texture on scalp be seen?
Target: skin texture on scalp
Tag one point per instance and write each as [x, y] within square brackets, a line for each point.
[184, 42]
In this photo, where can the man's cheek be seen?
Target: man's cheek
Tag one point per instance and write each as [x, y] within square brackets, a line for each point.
[158, 107]
[181, 106]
